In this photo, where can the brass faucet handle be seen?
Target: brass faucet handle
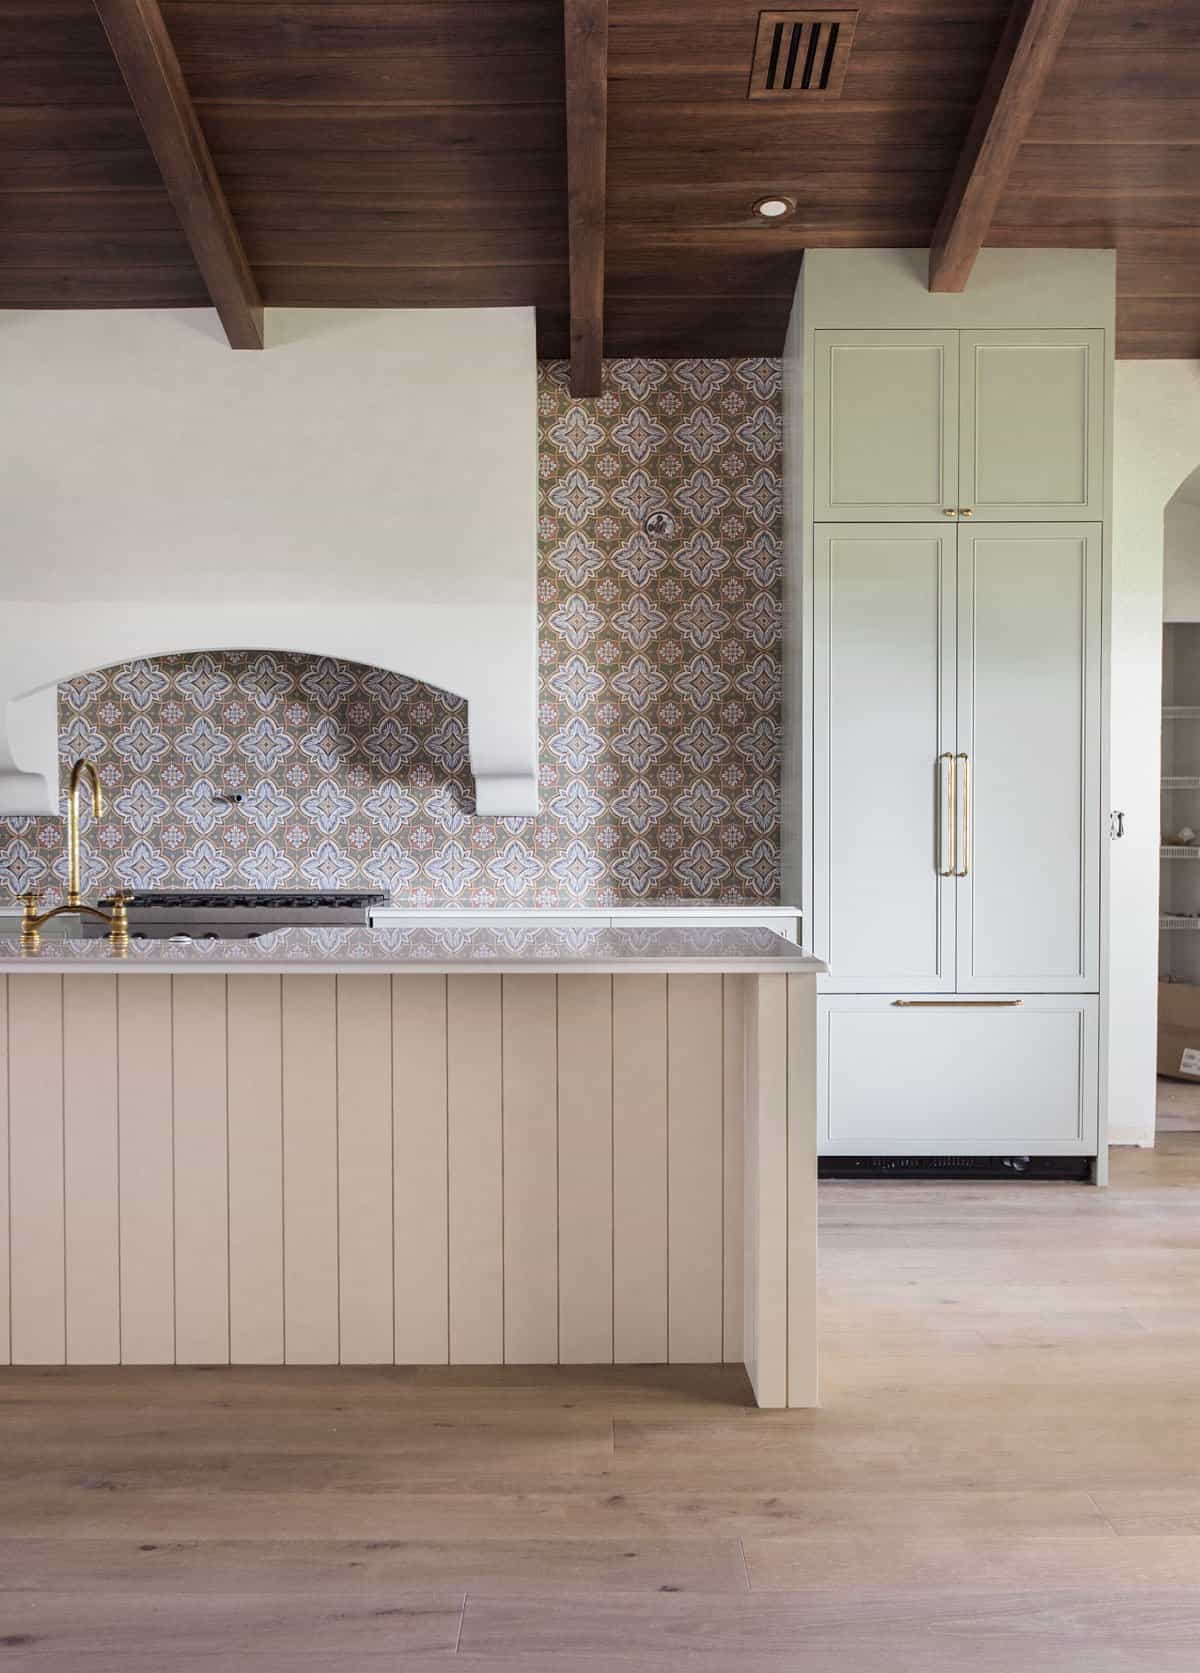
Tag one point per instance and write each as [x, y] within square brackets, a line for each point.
[119, 923]
[31, 938]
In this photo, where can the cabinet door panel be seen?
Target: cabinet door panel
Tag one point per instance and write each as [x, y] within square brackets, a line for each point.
[1032, 442]
[886, 425]
[883, 713]
[962, 1079]
[1029, 722]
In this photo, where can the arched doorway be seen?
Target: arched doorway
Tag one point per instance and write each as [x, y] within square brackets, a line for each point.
[1156, 451]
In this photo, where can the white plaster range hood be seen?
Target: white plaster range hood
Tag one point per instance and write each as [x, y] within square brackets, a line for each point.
[365, 488]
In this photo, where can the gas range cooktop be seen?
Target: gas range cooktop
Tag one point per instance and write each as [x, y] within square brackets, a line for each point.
[222, 914]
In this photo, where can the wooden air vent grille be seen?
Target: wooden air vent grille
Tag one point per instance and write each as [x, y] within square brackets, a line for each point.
[801, 55]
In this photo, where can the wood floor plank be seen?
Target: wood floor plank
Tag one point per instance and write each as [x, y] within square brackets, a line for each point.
[778, 1624]
[100, 1627]
[485, 1567]
[851, 1564]
[906, 1651]
[532, 1509]
[1151, 1511]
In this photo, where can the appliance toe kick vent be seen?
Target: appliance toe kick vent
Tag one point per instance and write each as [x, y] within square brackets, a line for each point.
[801, 54]
[1069, 1168]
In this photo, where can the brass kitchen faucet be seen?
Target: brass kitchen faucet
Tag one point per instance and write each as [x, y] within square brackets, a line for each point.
[118, 918]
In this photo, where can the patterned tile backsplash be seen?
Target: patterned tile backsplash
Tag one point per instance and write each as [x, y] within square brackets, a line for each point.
[659, 598]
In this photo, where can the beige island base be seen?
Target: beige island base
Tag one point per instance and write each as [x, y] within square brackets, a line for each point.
[477, 1146]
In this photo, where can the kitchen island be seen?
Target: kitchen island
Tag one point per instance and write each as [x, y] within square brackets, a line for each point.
[414, 1146]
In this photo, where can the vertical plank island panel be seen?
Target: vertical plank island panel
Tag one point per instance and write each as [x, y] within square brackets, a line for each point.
[585, 1159]
[5, 1287]
[473, 1058]
[639, 1103]
[766, 1190]
[255, 1048]
[310, 1159]
[421, 1170]
[92, 1197]
[146, 1115]
[530, 1053]
[803, 1367]
[38, 1276]
[734, 1001]
[201, 1170]
[695, 1153]
[366, 1302]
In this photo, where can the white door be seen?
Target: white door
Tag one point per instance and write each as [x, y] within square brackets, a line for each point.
[1032, 432]
[886, 425]
[884, 737]
[961, 1077]
[1028, 757]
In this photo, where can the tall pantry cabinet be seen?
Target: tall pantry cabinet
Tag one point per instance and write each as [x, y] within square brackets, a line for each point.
[943, 812]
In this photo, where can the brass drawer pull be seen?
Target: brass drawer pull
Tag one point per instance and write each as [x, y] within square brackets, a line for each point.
[959, 1004]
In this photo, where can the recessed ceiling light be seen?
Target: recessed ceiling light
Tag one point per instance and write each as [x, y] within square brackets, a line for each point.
[775, 208]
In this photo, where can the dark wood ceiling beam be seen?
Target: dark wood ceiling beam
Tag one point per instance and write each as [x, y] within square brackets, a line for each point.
[1023, 61]
[147, 60]
[586, 42]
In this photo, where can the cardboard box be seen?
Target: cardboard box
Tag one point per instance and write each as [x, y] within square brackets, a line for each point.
[1179, 1031]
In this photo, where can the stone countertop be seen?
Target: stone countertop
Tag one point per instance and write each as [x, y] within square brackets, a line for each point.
[553, 950]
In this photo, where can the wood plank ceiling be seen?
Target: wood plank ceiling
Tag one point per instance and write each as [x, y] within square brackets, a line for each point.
[412, 152]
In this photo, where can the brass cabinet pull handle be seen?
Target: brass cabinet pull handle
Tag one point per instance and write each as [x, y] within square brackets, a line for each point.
[966, 511]
[962, 800]
[959, 1004]
[946, 821]
[950, 511]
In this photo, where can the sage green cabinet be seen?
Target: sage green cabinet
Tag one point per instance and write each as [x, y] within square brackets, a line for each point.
[1000, 425]
[956, 757]
[886, 425]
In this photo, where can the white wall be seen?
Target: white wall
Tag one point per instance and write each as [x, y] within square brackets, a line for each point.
[364, 488]
[1157, 447]
[1181, 560]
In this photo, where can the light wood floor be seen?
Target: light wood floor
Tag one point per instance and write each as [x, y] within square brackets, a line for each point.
[1178, 1106]
[1005, 1478]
